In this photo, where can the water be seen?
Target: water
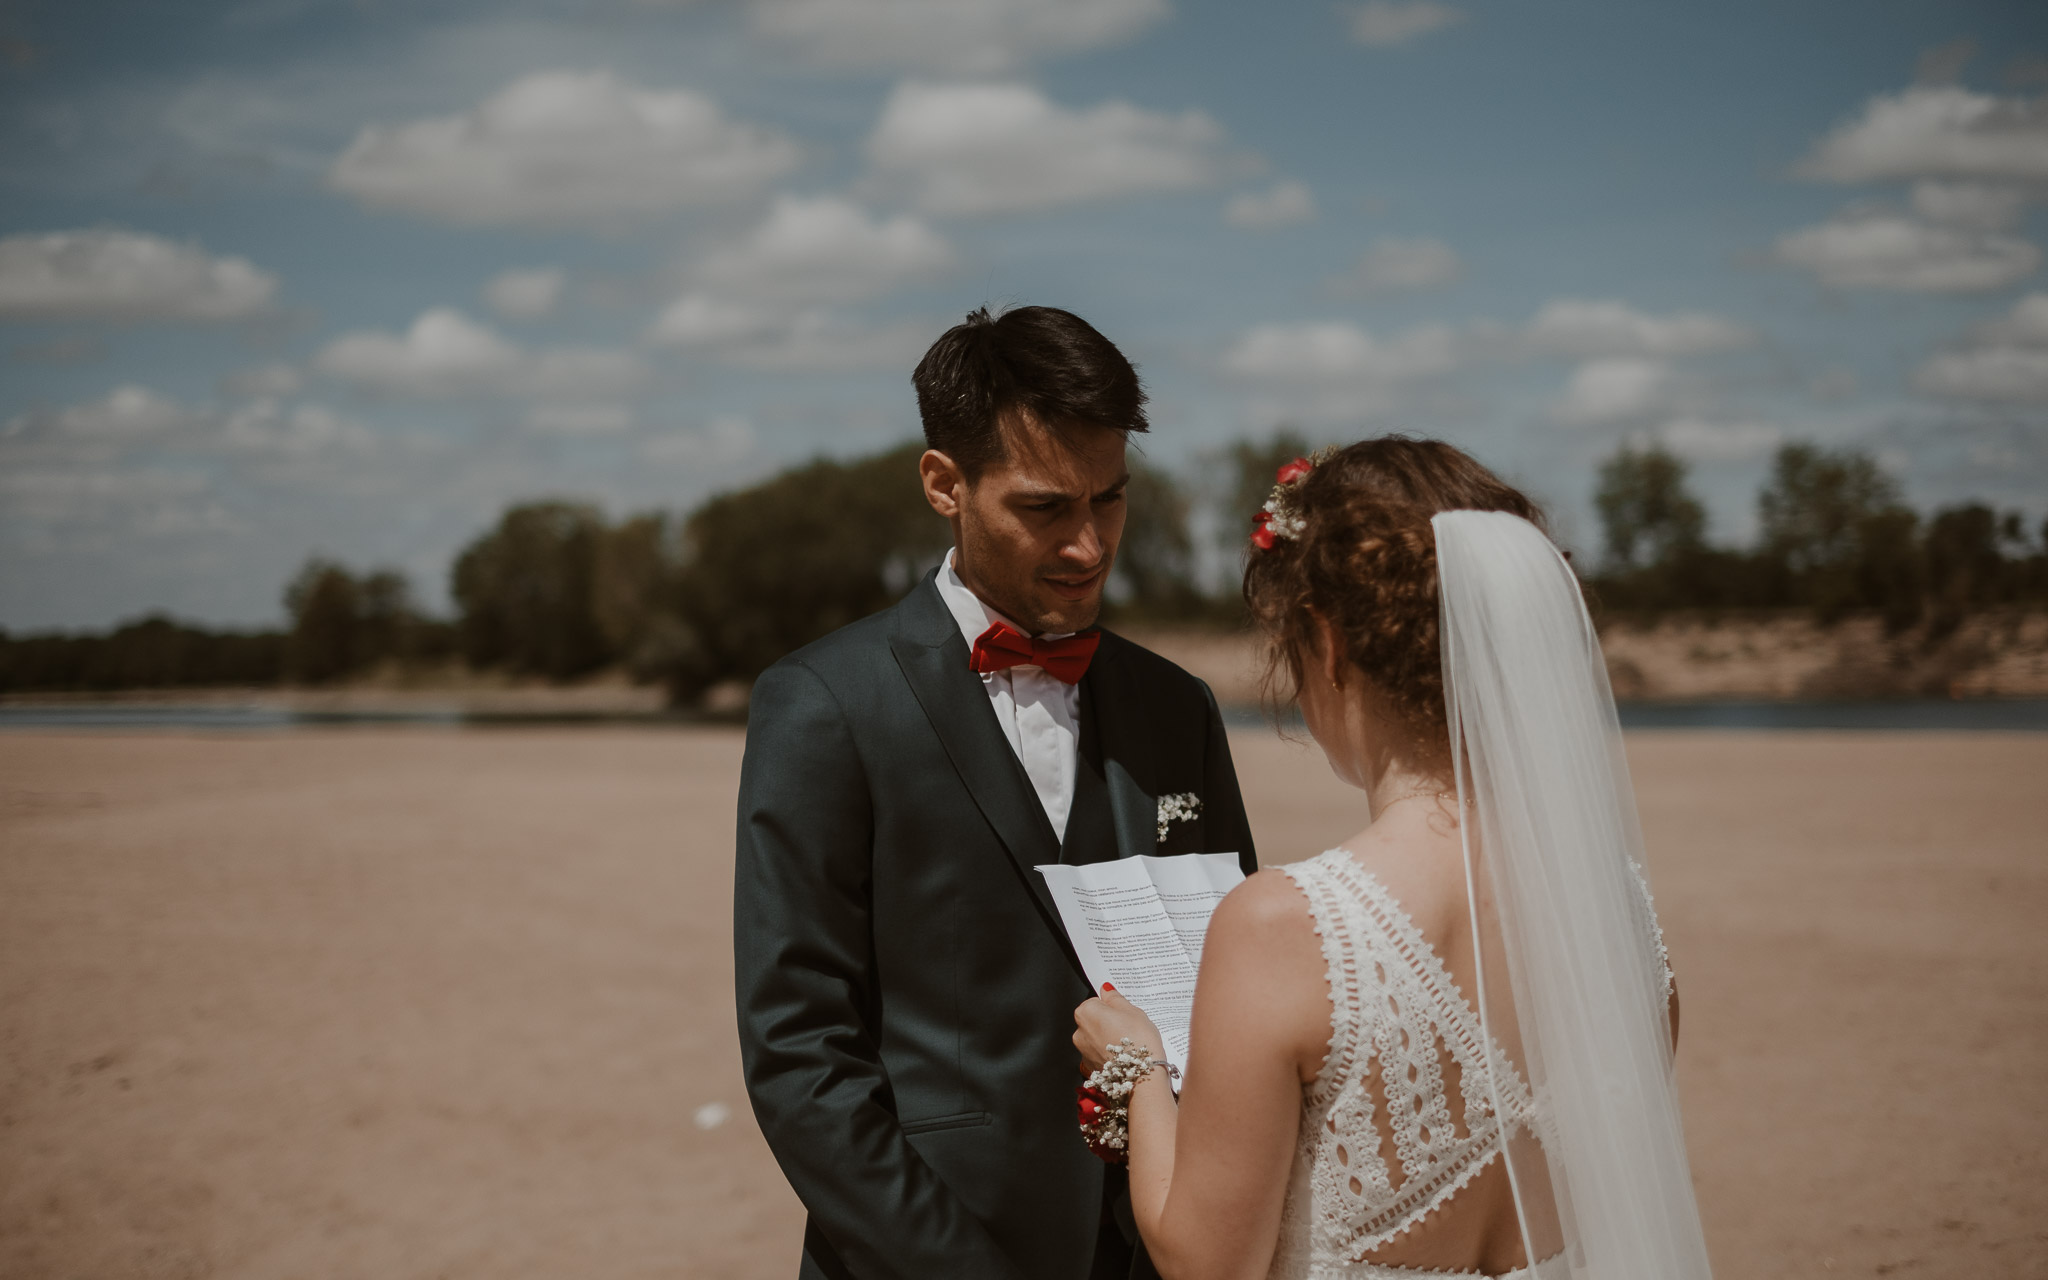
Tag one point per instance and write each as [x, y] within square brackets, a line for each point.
[256, 717]
[1947, 715]
[2007, 715]
[2013, 715]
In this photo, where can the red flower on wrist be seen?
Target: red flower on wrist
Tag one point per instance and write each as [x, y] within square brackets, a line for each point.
[1091, 1107]
[1090, 1103]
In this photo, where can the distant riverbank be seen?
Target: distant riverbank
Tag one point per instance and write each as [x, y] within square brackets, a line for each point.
[1685, 658]
[1676, 672]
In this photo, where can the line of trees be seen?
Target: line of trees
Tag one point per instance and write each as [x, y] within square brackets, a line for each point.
[1835, 537]
[556, 590]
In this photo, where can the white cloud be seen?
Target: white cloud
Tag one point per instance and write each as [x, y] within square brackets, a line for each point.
[1286, 204]
[1338, 352]
[1708, 441]
[581, 419]
[563, 148]
[1332, 372]
[1617, 389]
[109, 274]
[131, 416]
[722, 440]
[266, 426]
[1583, 328]
[444, 353]
[127, 413]
[698, 319]
[2005, 361]
[955, 37]
[1005, 148]
[817, 342]
[1880, 250]
[1977, 206]
[525, 293]
[2026, 324]
[1392, 265]
[274, 379]
[825, 250]
[1383, 24]
[1936, 131]
[73, 496]
[447, 354]
[805, 339]
[764, 300]
[2012, 375]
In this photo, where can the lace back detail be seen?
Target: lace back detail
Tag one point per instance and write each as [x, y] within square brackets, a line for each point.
[1395, 1016]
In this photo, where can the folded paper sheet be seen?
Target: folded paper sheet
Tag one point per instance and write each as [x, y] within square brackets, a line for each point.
[1139, 922]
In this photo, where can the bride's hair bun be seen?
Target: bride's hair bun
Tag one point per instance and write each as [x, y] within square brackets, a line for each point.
[1366, 560]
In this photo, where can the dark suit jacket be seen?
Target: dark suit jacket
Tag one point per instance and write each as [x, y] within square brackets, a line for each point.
[905, 990]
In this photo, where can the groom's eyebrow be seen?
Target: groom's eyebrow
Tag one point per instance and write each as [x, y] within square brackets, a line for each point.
[1114, 489]
[1060, 495]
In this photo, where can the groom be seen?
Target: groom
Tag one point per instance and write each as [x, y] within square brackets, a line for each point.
[905, 990]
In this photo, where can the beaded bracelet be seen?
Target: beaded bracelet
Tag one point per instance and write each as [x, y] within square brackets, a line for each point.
[1104, 1103]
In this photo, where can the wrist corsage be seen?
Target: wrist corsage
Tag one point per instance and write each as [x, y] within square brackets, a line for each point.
[1103, 1105]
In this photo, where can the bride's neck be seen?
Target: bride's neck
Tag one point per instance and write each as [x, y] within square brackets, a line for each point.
[1396, 781]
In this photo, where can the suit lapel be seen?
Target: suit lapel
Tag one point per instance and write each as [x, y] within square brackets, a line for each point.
[1091, 831]
[1126, 746]
[934, 660]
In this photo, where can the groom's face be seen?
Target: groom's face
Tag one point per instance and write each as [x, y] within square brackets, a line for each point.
[1037, 530]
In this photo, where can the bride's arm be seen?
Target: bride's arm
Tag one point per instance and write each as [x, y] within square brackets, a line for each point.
[1208, 1178]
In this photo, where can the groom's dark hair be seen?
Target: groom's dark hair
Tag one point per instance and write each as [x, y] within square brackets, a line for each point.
[1049, 363]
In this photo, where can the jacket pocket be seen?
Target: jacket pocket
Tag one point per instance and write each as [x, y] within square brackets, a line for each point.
[960, 1120]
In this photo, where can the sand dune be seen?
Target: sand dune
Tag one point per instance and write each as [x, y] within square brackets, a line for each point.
[454, 1004]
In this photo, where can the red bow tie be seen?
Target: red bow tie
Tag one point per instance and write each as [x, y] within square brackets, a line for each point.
[1002, 646]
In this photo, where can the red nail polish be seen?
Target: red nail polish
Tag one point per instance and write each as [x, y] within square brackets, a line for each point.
[1109, 986]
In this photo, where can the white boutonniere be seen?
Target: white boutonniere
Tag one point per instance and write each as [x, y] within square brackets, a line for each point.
[1183, 806]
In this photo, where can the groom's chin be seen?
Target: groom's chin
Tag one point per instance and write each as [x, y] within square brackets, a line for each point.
[1061, 616]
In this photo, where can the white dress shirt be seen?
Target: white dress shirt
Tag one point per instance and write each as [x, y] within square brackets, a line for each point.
[1040, 715]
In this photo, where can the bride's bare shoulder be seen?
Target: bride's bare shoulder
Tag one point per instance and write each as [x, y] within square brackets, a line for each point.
[1264, 924]
[1267, 905]
[1263, 971]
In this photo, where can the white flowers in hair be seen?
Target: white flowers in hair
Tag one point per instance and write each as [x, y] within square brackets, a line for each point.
[1182, 806]
[1281, 519]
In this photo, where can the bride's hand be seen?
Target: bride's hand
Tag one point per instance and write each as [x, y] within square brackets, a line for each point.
[1109, 1019]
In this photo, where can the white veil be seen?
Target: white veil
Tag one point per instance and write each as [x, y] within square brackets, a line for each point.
[1571, 983]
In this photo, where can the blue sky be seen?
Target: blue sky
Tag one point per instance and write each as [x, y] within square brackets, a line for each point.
[286, 277]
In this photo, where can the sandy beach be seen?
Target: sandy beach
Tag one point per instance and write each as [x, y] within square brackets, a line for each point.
[442, 1003]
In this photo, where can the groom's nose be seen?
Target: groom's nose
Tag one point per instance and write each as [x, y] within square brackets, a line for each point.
[1084, 546]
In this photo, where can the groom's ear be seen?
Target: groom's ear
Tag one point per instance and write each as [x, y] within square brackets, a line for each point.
[945, 485]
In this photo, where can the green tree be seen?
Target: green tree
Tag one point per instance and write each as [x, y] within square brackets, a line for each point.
[1154, 575]
[342, 623]
[635, 578]
[1836, 525]
[1648, 516]
[526, 595]
[1965, 565]
[773, 567]
[325, 603]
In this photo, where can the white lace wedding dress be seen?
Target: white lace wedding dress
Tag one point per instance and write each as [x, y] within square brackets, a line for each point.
[1395, 1014]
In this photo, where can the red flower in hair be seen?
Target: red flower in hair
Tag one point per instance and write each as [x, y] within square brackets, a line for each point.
[1295, 470]
[1262, 537]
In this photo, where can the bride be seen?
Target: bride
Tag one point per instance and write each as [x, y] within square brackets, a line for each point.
[1445, 1046]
